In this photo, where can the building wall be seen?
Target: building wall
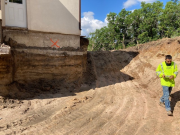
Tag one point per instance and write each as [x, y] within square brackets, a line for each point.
[55, 16]
[0, 23]
[0, 11]
[60, 16]
[41, 39]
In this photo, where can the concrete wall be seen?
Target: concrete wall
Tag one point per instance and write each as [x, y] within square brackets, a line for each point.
[0, 11]
[0, 23]
[41, 39]
[0, 14]
[57, 16]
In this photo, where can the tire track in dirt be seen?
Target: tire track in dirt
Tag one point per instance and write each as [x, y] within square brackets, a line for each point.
[133, 115]
[120, 92]
[160, 118]
[150, 122]
[84, 110]
[146, 108]
[109, 107]
[148, 102]
[119, 112]
[33, 115]
[59, 121]
[112, 123]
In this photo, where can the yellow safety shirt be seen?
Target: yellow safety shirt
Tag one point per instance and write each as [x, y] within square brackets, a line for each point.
[163, 69]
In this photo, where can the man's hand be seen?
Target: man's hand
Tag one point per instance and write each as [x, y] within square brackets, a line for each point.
[171, 77]
[163, 76]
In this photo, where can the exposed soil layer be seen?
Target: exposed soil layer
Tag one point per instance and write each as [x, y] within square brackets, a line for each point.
[119, 96]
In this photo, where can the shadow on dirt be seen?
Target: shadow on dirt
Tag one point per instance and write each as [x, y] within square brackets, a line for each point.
[175, 97]
[103, 69]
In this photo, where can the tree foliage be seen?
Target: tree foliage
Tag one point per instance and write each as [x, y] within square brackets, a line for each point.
[175, 1]
[150, 22]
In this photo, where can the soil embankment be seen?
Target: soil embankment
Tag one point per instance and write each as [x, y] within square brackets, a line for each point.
[120, 96]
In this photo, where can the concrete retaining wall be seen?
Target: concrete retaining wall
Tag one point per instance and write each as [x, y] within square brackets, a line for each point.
[40, 39]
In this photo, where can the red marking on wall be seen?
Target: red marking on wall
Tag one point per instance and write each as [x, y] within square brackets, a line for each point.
[55, 43]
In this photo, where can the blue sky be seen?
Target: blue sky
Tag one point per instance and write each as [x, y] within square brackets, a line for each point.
[94, 12]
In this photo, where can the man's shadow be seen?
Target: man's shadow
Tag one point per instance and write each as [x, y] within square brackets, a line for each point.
[175, 97]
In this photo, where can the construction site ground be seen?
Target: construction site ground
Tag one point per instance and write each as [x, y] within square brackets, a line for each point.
[119, 97]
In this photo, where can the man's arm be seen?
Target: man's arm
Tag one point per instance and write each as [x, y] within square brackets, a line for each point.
[175, 73]
[159, 72]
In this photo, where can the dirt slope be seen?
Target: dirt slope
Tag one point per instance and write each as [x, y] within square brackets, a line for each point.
[120, 96]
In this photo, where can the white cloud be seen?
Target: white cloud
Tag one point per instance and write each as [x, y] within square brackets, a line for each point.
[130, 3]
[147, 1]
[132, 10]
[90, 24]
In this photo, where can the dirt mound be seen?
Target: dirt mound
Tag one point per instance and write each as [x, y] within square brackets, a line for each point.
[120, 96]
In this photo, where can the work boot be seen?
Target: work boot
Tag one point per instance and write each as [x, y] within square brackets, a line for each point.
[162, 104]
[169, 113]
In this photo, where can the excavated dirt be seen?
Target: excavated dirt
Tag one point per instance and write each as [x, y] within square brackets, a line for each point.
[120, 96]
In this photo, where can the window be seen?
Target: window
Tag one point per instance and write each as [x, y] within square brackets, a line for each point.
[16, 1]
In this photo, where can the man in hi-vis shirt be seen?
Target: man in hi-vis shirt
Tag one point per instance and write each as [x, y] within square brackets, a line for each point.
[167, 71]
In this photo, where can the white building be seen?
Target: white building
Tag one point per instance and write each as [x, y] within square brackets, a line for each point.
[45, 42]
[43, 16]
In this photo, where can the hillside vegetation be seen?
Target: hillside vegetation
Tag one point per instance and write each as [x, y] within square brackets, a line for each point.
[128, 28]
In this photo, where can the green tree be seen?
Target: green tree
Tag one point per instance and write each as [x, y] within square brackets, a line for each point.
[135, 19]
[112, 27]
[122, 26]
[150, 20]
[101, 40]
[175, 1]
[127, 28]
[169, 20]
